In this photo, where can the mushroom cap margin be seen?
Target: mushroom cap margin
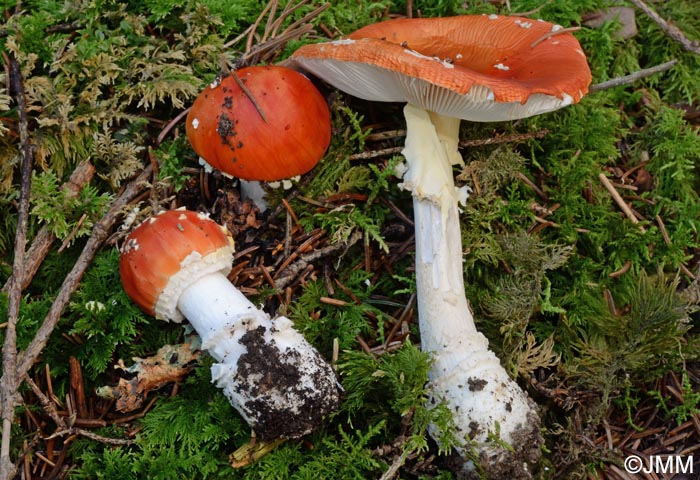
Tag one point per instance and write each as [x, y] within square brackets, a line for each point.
[473, 67]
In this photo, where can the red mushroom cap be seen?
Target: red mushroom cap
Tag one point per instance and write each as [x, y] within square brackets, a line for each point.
[474, 67]
[229, 133]
[167, 253]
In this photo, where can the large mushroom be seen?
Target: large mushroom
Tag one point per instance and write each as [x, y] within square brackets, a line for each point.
[478, 68]
[174, 266]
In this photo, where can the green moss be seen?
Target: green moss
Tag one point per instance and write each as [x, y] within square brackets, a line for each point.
[588, 302]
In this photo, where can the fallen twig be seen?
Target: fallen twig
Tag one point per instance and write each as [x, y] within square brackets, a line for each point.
[271, 5]
[618, 199]
[290, 271]
[669, 29]
[540, 193]
[512, 138]
[553, 33]
[9, 381]
[46, 404]
[529, 13]
[64, 428]
[667, 241]
[271, 40]
[632, 77]
[92, 436]
[303, 247]
[393, 469]
[515, 137]
[171, 124]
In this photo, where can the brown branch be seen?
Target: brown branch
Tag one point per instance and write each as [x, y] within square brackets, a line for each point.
[251, 36]
[63, 429]
[552, 34]
[273, 26]
[21, 363]
[65, 27]
[171, 124]
[307, 18]
[271, 40]
[273, 11]
[632, 77]
[92, 436]
[619, 201]
[9, 381]
[515, 137]
[248, 94]
[100, 232]
[78, 387]
[512, 138]
[261, 52]
[41, 245]
[46, 404]
[290, 271]
[668, 28]
[532, 12]
[382, 152]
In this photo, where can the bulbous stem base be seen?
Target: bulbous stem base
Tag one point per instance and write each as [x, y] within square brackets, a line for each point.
[270, 373]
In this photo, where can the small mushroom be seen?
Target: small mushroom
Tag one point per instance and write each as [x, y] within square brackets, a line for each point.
[174, 266]
[261, 123]
[478, 68]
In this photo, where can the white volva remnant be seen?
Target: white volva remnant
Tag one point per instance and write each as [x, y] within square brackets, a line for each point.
[131, 244]
[195, 123]
[444, 63]
[343, 41]
[130, 218]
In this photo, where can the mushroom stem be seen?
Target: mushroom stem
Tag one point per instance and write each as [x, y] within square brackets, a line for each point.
[465, 374]
[252, 190]
[212, 304]
[277, 381]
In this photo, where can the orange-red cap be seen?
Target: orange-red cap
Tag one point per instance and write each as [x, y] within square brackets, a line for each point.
[168, 252]
[475, 67]
[226, 129]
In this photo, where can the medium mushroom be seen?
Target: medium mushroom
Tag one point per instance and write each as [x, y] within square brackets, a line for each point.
[478, 68]
[260, 123]
[174, 266]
